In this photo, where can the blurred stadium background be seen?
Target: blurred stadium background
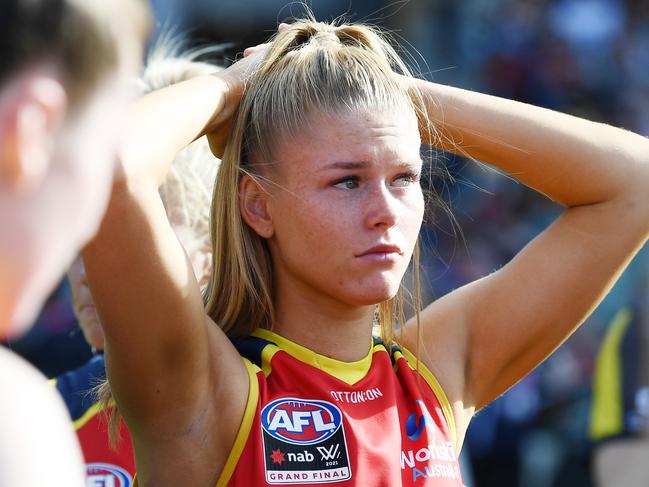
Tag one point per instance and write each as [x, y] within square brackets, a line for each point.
[585, 57]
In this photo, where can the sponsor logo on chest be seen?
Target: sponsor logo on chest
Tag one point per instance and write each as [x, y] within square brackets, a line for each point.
[107, 475]
[304, 442]
[357, 397]
[437, 459]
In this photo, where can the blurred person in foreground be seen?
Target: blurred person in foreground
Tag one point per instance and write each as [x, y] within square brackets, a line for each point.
[65, 73]
[106, 445]
[619, 418]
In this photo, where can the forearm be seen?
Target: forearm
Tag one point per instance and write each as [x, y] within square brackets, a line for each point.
[571, 160]
[163, 122]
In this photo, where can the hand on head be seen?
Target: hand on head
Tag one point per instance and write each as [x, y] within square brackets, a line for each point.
[235, 76]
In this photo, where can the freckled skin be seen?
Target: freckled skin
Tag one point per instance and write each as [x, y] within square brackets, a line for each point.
[325, 215]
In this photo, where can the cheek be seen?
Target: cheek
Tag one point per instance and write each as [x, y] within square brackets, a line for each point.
[91, 190]
[412, 215]
[417, 209]
[313, 228]
[91, 149]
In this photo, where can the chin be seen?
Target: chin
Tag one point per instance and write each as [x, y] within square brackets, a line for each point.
[374, 295]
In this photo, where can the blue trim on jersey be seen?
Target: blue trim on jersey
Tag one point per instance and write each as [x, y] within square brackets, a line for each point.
[251, 347]
[75, 386]
[394, 350]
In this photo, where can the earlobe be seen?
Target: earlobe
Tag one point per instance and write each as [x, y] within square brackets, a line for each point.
[254, 203]
[31, 112]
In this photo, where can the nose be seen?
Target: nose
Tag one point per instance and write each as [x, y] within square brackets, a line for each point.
[381, 208]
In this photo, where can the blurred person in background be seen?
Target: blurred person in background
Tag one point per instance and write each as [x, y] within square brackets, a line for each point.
[316, 215]
[107, 447]
[65, 73]
[619, 418]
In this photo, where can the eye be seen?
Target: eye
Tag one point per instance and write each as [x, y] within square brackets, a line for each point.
[406, 179]
[349, 182]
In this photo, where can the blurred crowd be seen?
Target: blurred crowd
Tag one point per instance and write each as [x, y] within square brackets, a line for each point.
[585, 57]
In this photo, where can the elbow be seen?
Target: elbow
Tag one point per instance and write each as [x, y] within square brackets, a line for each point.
[638, 191]
[642, 180]
[632, 158]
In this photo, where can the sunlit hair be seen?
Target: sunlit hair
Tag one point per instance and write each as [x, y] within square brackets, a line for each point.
[311, 67]
[186, 191]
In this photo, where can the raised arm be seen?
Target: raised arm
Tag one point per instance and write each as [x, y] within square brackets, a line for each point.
[174, 374]
[482, 338]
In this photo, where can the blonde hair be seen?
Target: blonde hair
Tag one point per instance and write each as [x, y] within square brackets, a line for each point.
[309, 67]
[187, 190]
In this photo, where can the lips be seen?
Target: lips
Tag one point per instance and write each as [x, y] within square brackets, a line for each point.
[382, 252]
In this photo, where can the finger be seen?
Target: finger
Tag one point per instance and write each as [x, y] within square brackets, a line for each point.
[218, 139]
[249, 51]
[253, 49]
[283, 26]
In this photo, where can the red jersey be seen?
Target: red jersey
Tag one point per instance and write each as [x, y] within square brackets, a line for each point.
[104, 465]
[312, 420]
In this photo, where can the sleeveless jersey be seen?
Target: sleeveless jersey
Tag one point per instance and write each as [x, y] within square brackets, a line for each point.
[311, 420]
[104, 465]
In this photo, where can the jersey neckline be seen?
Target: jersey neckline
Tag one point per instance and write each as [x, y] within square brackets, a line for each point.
[349, 372]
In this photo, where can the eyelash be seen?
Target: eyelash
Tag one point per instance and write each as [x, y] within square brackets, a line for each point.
[411, 177]
[352, 179]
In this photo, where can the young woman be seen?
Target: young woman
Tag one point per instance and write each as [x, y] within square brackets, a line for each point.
[65, 72]
[315, 218]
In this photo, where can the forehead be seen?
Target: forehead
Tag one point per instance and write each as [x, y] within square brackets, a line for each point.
[357, 136]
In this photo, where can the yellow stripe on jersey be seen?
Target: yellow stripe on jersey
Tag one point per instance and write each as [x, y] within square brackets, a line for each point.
[607, 417]
[435, 386]
[266, 357]
[348, 372]
[90, 413]
[246, 425]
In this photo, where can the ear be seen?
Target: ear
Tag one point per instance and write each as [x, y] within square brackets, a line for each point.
[32, 109]
[254, 202]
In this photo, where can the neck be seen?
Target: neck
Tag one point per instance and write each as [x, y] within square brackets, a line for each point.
[323, 324]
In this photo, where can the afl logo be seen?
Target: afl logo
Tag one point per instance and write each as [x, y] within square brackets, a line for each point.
[300, 421]
[107, 475]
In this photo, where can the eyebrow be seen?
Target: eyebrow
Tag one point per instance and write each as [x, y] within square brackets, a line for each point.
[345, 165]
[360, 165]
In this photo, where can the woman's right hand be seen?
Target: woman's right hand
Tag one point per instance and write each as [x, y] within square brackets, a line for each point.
[234, 78]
